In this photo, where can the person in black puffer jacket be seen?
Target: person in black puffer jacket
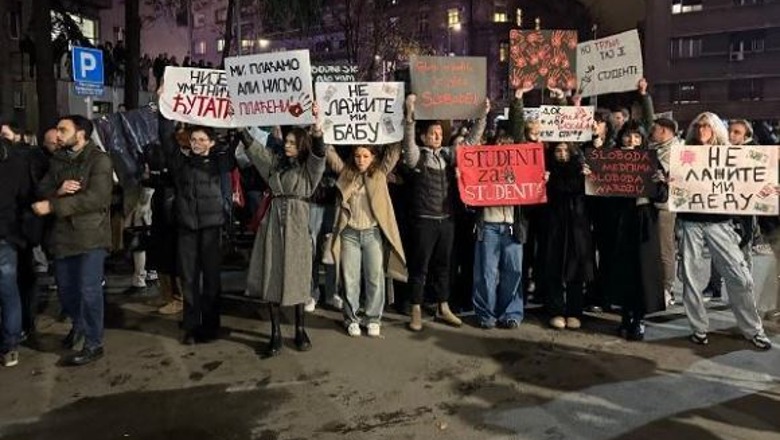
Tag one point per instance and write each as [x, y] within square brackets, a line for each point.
[199, 206]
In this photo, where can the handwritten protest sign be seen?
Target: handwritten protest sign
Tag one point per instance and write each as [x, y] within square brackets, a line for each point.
[196, 96]
[543, 58]
[724, 179]
[621, 173]
[334, 73]
[566, 123]
[531, 113]
[361, 113]
[449, 87]
[501, 175]
[271, 89]
[609, 65]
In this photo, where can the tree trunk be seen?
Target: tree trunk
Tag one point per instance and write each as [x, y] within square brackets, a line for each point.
[45, 82]
[6, 86]
[133, 53]
[229, 29]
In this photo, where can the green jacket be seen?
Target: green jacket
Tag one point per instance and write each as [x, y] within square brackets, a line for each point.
[82, 219]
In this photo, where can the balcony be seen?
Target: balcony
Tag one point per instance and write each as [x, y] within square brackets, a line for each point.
[726, 18]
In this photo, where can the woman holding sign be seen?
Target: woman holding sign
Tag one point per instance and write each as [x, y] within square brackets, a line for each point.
[717, 232]
[366, 238]
[282, 251]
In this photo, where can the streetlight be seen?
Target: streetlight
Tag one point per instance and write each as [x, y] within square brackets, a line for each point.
[451, 27]
[263, 43]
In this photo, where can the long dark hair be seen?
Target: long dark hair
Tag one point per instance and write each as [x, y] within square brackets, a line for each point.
[302, 141]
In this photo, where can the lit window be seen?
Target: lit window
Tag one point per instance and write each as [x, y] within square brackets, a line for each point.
[686, 47]
[686, 6]
[453, 17]
[200, 48]
[500, 17]
[220, 45]
[247, 44]
[503, 52]
[686, 93]
[14, 25]
[89, 28]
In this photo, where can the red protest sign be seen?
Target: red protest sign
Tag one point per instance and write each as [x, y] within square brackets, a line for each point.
[544, 58]
[621, 173]
[501, 175]
[448, 87]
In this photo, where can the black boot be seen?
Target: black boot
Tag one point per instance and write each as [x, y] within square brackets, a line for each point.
[275, 344]
[302, 341]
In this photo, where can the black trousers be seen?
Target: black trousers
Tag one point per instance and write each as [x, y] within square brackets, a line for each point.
[429, 257]
[199, 260]
[565, 300]
[28, 288]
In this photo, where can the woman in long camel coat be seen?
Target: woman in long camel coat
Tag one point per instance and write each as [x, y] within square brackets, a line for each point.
[282, 244]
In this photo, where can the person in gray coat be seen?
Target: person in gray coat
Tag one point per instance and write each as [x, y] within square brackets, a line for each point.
[282, 245]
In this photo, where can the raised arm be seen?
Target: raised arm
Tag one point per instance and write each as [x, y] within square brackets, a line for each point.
[475, 136]
[262, 157]
[391, 157]
[333, 160]
[411, 149]
[315, 164]
[516, 116]
[648, 111]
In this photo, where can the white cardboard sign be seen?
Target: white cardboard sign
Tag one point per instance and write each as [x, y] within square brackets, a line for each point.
[271, 89]
[566, 123]
[356, 113]
[609, 65]
[196, 96]
[724, 179]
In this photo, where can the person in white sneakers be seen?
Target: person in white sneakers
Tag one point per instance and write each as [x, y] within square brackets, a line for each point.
[365, 226]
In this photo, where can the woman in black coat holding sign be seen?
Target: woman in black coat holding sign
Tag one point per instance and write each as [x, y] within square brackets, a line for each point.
[635, 281]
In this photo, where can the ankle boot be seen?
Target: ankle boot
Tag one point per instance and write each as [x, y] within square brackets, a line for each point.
[416, 324]
[275, 344]
[302, 341]
[446, 315]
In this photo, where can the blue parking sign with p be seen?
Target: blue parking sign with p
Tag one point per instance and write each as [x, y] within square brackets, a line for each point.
[87, 65]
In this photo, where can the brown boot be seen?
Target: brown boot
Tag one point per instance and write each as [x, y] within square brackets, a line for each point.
[172, 308]
[446, 315]
[416, 324]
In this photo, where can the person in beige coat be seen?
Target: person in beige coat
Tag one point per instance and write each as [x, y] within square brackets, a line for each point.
[366, 242]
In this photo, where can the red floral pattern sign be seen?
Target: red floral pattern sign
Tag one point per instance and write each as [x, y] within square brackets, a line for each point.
[543, 59]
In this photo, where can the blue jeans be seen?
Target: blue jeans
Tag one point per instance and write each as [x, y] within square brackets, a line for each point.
[362, 253]
[498, 270]
[79, 280]
[10, 301]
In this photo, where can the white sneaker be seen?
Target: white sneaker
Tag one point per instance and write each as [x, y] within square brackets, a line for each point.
[373, 329]
[353, 329]
[310, 305]
[337, 303]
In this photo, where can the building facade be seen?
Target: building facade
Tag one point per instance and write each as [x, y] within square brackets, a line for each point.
[714, 55]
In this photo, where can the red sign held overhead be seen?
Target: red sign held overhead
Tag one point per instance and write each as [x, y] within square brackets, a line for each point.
[501, 175]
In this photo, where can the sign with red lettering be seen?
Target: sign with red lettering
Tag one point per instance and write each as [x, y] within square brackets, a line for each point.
[501, 175]
[448, 87]
[542, 58]
[724, 179]
[566, 123]
[196, 96]
[271, 89]
[609, 65]
[621, 173]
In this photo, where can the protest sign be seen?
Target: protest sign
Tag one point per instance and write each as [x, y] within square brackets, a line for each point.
[531, 113]
[621, 173]
[361, 113]
[196, 96]
[542, 58]
[724, 179]
[566, 123]
[609, 65]
[334, 73]
[449, 87]
[271, 89]
[501, 175]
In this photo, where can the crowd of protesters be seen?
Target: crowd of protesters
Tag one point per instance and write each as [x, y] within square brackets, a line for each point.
[384, 225]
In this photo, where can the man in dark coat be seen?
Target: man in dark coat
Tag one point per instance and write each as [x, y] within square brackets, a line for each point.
[77, 191]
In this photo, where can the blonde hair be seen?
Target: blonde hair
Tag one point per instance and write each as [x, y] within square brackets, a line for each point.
[720, 133]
